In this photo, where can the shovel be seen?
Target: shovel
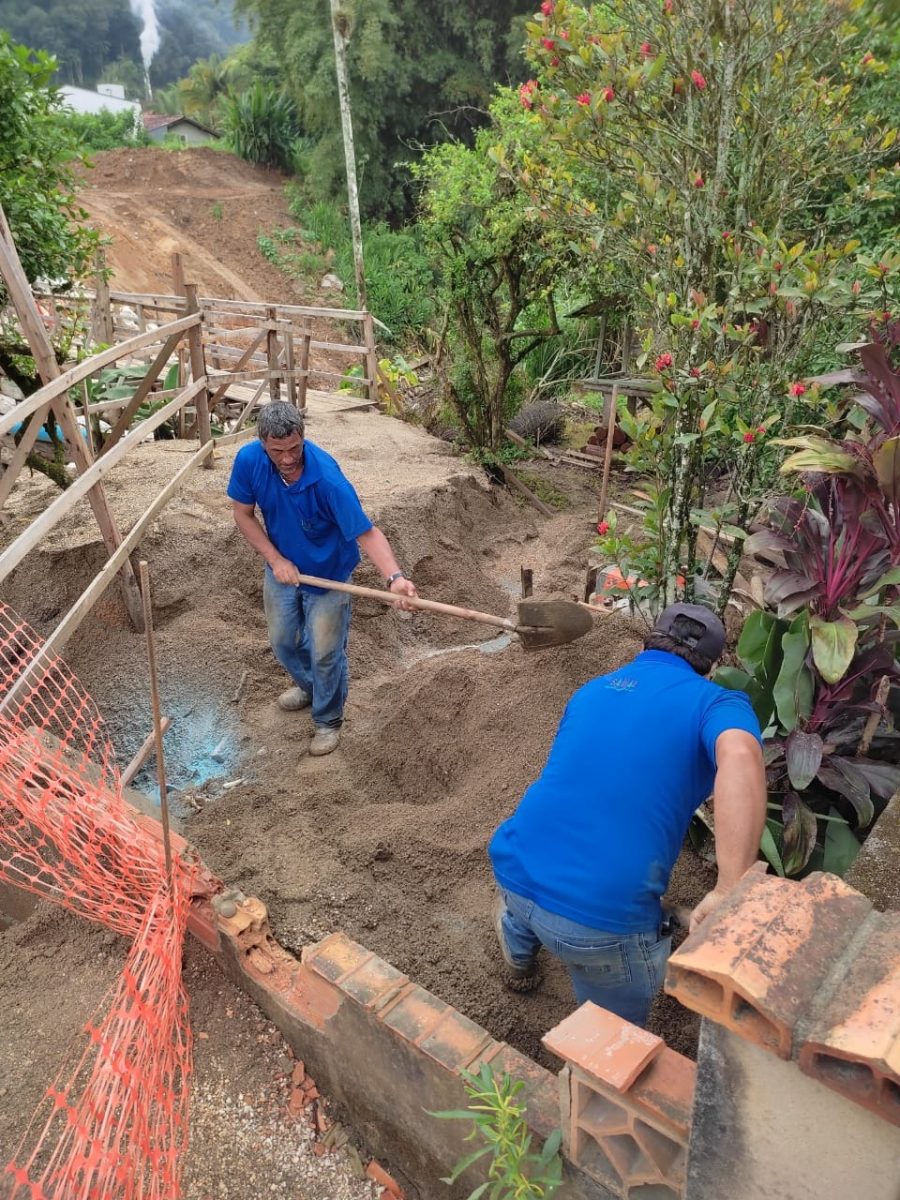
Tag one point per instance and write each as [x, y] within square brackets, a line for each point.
[540, 623]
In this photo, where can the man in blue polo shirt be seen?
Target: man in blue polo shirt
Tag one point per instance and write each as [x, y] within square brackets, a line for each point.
[584, 860]
[314, 523]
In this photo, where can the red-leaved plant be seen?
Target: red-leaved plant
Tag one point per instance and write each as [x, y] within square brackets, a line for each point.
[821, 669]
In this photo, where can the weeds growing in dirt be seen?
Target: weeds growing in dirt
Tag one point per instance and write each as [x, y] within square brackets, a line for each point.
[515, 1171]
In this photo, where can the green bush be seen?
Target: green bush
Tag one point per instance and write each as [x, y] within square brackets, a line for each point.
[399, 278]
[260, 126]
[106, 130]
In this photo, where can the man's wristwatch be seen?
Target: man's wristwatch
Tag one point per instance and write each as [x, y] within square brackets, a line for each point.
[393, 578]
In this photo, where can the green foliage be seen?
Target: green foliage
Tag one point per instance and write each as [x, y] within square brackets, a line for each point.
[260, 126]
[36, 182]
[656, 152]
[498, 265]
[818, 680]
[515, 1171]
[399, 278]
[106, 130]
[420, 71]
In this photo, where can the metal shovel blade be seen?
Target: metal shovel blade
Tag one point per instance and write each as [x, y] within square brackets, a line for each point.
[543, 623]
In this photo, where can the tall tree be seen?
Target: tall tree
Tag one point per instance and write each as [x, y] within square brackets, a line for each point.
[421, 72]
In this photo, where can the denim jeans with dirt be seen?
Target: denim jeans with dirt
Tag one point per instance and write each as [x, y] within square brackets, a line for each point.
[621, 972]
[308, 634]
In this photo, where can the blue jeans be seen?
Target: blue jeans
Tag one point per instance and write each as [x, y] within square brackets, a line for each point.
[308, 633]
[619, 971]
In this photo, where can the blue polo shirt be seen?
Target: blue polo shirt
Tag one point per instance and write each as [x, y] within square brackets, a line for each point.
[595, 837]
[314, 522]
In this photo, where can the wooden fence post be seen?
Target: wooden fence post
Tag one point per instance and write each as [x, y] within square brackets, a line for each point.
[371, 357]
[45, 359]
[303, 380]
[178, 289]
[272, 355]
[289, 376]
[103, 327]
[198, 371]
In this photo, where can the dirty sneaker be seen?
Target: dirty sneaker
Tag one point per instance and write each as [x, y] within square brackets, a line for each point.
[518, 978]
[324, 740]
[293, 700]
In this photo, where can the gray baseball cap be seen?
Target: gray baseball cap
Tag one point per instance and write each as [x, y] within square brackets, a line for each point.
[708, 640]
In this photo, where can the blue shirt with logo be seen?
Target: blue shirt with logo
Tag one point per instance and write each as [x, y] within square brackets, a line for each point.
[595, 837]
[314, 522]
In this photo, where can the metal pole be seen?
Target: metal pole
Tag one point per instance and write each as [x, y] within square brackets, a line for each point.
[144, 572]
[340, 27]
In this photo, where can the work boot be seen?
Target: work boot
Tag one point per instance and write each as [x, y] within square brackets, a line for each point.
[324, 740]
[518, 978]
[294, 699]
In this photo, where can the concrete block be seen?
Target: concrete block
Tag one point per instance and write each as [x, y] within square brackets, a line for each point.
[762, 1130]
[756, 964]
[854, 1044]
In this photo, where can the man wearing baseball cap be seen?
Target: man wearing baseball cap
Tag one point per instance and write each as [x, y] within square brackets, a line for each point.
[583, 862]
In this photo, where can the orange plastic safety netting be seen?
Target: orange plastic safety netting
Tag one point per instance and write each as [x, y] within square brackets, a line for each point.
[114, 1125]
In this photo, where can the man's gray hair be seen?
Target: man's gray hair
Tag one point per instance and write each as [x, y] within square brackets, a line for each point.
[279, 420]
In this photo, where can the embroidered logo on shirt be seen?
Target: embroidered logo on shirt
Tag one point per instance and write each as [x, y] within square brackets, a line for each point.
[622, 685]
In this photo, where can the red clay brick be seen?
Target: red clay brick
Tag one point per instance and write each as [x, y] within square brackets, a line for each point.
[756, 964]
[414, 1014]
[854, 1044]
[298, 1074]
[202, 922]
[664, 1093]
[456, 1040]
[296, 1102]
[376, 1172]
[372, 982]
[603, 1045]
[336, 956]
[313, 998]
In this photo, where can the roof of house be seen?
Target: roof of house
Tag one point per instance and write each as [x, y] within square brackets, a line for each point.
[154, 120]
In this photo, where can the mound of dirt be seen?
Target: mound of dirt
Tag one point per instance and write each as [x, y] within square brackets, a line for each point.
[208, 205]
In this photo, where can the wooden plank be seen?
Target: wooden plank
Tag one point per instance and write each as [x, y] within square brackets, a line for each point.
[244, 359]
[61, 383]
[20, 293]
[249, 407]
[140, 393]
[302, 310]
[516, 483]
[371, 357]
[303, 381]
[272, 354]
[102, 326]
[198, 371]
[143, 754]
[101, 581]
[289, 376]
[57, 509]
[21, 452]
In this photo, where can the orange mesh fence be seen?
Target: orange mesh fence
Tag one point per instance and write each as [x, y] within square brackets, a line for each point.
[114, 1125]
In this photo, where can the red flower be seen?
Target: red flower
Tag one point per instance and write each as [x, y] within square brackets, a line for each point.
[583, 99]
[699, 181]
[695, 324]
[797, 389]
[564, 34]
[694, 372]
[554, 62]
[609, 95]
[867, 58]
[547, 7]
[548, 43]
[526, 93]
[664, 360]
[779, 266]
[698, 80]
[761, 429]
[667, 5]
[727, 236]
[646, 50]
[651, 249]
[748, 438]
[603, 527]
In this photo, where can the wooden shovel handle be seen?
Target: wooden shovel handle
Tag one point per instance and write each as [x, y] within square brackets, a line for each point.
[448, 610]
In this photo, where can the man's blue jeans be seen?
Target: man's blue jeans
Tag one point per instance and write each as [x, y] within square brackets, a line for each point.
[308, 633]
[619, 971]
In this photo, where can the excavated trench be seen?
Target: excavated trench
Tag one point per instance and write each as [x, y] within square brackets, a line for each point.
[446, 725]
